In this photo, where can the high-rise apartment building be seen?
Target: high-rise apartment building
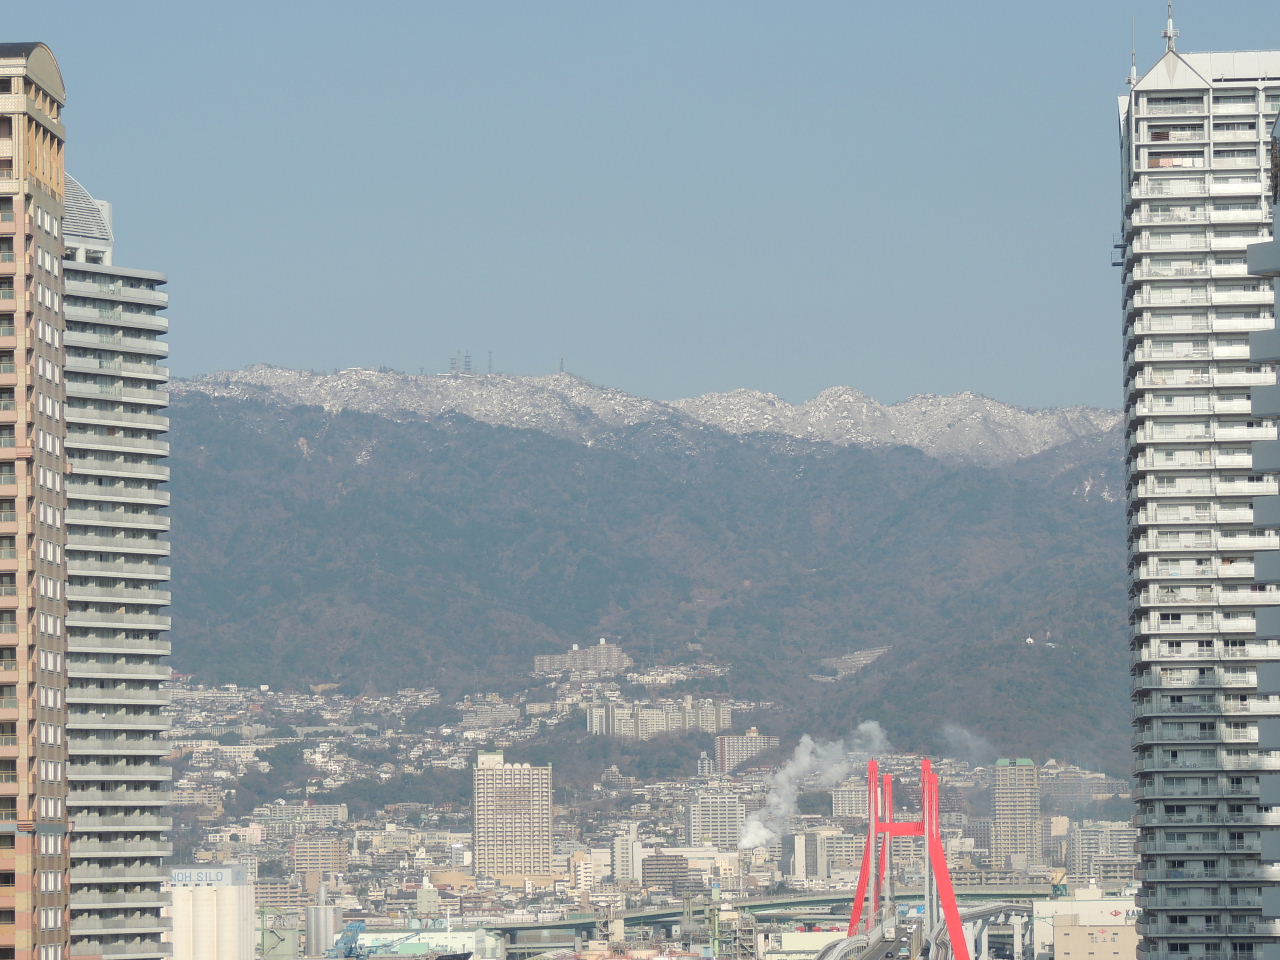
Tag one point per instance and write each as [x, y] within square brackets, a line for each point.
[1015, 823]
[33, 676]
[511, 814]
[321, 855]
[1192, 134]
[602, 659]
[715, 819]
[117, 550]
[851, 800]
[732, 751]
[1264, 261]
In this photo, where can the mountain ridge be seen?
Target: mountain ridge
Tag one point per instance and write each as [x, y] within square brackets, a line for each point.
[318, 545]
[964, 427]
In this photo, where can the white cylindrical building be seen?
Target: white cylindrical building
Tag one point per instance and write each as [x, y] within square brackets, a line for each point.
[212, 913]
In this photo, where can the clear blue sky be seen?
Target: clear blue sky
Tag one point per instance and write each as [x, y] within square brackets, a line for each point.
[675, 197]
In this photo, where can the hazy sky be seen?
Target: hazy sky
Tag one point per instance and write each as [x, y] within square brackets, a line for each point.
[675, 197]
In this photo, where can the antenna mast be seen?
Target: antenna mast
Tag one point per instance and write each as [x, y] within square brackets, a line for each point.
[1170, 31]
[1133, 52]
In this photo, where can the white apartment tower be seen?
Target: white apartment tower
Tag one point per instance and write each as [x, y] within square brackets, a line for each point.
[117, 550]
[1193, 133]
[716, 819]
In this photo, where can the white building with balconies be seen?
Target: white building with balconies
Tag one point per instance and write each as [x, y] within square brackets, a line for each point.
[1193, 135]
[117, 552]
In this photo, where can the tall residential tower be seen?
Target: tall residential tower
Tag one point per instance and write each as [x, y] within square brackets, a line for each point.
[33, 673]
[117, 553]
[1016, 821]
[1193, 133]
[512, 818]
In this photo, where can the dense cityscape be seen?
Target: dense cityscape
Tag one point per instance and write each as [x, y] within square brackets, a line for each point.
[627, 844]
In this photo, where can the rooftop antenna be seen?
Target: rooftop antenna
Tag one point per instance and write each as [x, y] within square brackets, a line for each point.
[1133, 52]
[1170, 31]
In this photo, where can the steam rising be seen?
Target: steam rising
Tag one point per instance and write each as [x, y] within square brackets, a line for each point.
[967, 746]
[819, 763]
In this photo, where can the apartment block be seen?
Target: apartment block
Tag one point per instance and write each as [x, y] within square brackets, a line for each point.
[512, 818]
[1015, 824]
[1205, 641]
[117, 564]
[34, 843]
[603, 659]
[643, 721]
[1096, 847]
[732, 751]
[715, 819]
[851, 800]
[322, 854]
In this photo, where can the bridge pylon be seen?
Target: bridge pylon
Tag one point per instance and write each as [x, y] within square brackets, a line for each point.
[875, 875]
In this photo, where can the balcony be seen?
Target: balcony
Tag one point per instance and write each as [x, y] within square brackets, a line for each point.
[93, 897]
[1184, 460]
[87, 669]
[122, 746]
[1211, 652]
[135, 571]
[80, 414]
[99, 924]
[116, 316]
[82, 440]
[1147, 218]
[118, 368]
[1200, 324]
[137, 949]
[117, 492]
[120, 517]
[84, 848]
[1215, 819]
[1151, 544]
[122, 594]
[104, 341]
[1207, 679]
[93, 391]
[121, 544]
[123, 621]
[115, 291]
[92, 695]
[1156, 377]
[118, 797]
[1170, 109]
[118, 644]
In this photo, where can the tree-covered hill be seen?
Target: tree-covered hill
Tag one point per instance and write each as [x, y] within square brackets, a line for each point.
[377, 553]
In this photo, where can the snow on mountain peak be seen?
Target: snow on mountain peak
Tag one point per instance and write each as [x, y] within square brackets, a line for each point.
[966, 426]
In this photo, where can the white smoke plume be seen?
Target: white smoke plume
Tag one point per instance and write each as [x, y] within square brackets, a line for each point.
[869, 740]
[822, 763]
[967, 746]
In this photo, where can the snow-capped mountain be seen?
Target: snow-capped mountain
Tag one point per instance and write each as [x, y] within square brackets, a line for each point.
[966, 426]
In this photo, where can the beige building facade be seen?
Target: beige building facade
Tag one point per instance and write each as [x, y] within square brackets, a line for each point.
[34, 863]
[1015, 826]
[512, 818]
